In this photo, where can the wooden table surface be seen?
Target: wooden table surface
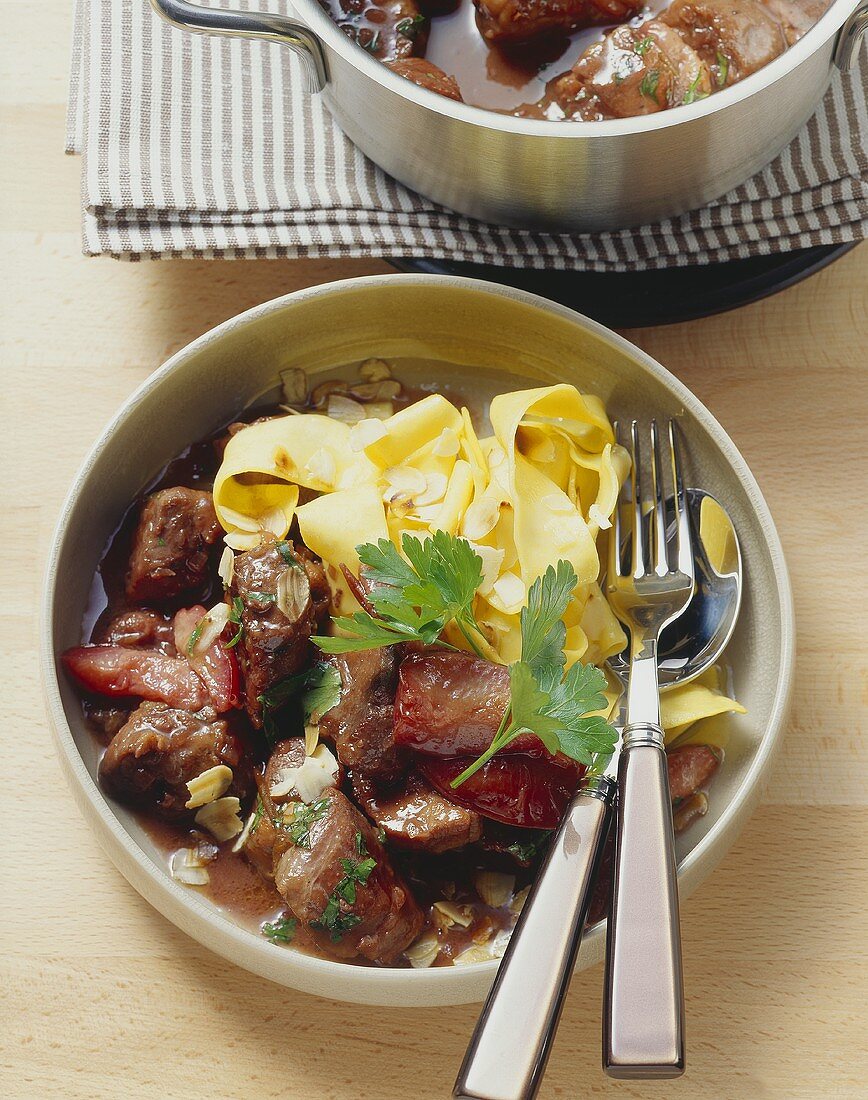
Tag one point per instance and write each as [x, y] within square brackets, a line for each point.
[101, 997]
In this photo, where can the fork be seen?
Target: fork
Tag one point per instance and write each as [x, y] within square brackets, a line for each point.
[643, 1015]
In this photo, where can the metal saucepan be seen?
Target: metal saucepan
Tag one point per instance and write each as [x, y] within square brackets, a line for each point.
[553, 175]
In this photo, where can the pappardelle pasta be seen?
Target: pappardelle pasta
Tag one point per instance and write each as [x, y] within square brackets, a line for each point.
[354, 661]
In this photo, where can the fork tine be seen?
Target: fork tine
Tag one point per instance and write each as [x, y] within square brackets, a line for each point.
[614, 564]
[684, 539]
[638, 564]
[661, 562]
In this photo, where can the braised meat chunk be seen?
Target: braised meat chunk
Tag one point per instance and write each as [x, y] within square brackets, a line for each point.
[641, 70]
[796, 16]
[362, 724]
[426, 75]
[514, 21]
[338, 881]
[169, 555]
[140, 627]
[387, 29]
[283, 592]
[691, 768]
[160, 750]
[733, 37]
[413, 815]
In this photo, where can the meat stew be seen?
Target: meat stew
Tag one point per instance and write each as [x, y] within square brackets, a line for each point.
[327, 819]
[575, 60]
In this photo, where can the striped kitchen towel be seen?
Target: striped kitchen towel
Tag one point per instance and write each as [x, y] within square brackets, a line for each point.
[209, 146]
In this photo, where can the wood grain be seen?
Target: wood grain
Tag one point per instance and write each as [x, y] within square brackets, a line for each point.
[101, 997]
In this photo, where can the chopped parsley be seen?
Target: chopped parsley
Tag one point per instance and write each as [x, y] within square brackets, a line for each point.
[299, 825]
[195, 635]
[257, 817]
[643, 45]
[285, 550]
[337, 917]
[235, 613]
[161, 541]
[648, 85]
[318, 687]
[262, 597]
[528, 849]
[692, 94]
[722, 68]
[281, 931]
[411, 28]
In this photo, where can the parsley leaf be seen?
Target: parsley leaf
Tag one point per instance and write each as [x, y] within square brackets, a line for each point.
[413, 600]
[281, 931]
[543, 701]
[335, 919]
[319, 688]
[648, 84]
[323, 691]
[303, 817]
[543, 633]
[643, 45]
[286, 552]
[411, 28]
[722, 68]
[235, 614]
[692, 93]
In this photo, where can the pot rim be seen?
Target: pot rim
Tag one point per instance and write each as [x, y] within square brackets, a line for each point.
[818, 36]
[216, 930]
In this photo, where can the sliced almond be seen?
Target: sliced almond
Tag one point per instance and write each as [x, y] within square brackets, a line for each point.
[210, 627]
[242, 540]
[375, 370]
[345, 409]
[365, 433]
[473, 955]
[293, 592]
[310, 779]
[517, 903]
[311, 739]
[208, 785]
[321, 467]
[239, 521]
[510, 590]
[221, 818]
[492, 563]
[494, 887]
[294, 386]
[403, 483]
[497, 947]
[454, 914]
[446, 444]
[186, 866]
[380, 410]
[435, 489]
[423, 952]
[244, 835]
[275, 522]
[384, 390]
[226, 568]
[480, 518]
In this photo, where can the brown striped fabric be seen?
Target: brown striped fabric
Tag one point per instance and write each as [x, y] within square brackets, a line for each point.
[204, 146]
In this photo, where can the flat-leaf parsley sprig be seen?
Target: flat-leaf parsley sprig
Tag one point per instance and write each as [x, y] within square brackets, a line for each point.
[416, 599]
[544, 701]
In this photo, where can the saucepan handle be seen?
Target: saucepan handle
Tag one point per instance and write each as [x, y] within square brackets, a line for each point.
[252, 24]
[850, 38]
[507, 1055]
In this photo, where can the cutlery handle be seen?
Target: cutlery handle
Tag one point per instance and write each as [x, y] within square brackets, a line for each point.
[511, 1043]
[643, 1018]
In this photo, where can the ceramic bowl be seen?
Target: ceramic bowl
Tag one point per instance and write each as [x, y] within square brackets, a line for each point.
[471, 336]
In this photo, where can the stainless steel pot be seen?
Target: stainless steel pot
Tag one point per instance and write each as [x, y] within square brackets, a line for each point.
[553, 175]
